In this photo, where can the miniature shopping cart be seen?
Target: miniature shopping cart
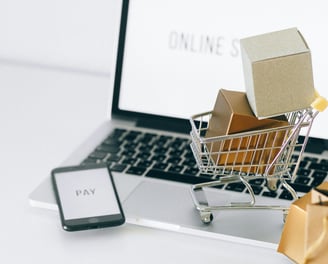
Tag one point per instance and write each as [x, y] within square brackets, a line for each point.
[239, 158]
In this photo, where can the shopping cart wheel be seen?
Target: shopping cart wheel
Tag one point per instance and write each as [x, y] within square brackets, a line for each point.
[206, 217]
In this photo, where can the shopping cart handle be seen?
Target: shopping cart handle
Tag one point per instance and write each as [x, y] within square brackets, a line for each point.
[320, 103]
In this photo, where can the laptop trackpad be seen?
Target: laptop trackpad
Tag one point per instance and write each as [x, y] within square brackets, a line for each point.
[166, 205]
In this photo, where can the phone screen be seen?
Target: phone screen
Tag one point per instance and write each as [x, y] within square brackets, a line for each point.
[86, 197]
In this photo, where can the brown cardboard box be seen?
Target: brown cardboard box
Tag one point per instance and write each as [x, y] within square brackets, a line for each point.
[232, 114]
[303, 227]
[277, 72]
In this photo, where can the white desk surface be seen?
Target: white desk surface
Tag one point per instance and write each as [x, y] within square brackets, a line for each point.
[44, 115]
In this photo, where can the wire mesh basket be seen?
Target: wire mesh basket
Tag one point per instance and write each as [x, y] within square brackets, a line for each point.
[262, 154]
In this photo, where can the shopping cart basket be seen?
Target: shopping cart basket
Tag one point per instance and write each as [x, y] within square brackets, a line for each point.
[262, 154]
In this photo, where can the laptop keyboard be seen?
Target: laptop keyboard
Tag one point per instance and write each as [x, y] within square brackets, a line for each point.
[170, 158]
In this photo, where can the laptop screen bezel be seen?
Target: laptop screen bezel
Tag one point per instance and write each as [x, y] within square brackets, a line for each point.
[143, 119]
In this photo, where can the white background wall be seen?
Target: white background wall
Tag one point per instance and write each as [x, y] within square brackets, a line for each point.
[73, 34]
[79, 34]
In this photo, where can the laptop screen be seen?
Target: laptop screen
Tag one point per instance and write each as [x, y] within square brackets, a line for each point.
[174, 56]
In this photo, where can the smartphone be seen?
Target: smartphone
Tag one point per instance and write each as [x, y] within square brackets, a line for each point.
[87, 197]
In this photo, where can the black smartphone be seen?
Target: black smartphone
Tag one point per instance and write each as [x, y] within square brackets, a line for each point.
[87, 197]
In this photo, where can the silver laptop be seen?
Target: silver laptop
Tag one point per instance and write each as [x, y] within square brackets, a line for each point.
[172, 58]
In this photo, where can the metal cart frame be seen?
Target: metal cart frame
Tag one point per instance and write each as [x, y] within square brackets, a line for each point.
[261, 154]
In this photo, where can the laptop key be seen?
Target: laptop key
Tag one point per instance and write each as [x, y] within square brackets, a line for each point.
[160, 166]
[300, 187]
[145, 149]
[129, 161]
[116, 134]
[107, 148]
[188, 154]
[319, 174]
[177, 144]
[158, 158]
[237, 187]
[113, 158]
[311, 159]
[319, 166]
[176, 153]
[256, 189]
[131, 135]
[269, 194]
[206, 175]
[286, 195]
[191, 170]
[145, 163]
[174, 160]
[98, 155]
[302, 180]
[128, 153]
[112, 142]
[303, 164]
[131, 147]
[324, 161]
[136, 170]
[160, 150]
[160, 142]
[189, 163]
[119, 131]
[176, 168]
[118, 167]
[317, 181]
[303, 172]
[256, 181]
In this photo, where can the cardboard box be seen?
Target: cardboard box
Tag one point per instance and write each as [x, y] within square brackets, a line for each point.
[303, 227]
[232, 114]
[277, 72]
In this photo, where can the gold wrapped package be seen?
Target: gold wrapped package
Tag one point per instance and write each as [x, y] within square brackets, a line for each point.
[252, 154]
[305, 235]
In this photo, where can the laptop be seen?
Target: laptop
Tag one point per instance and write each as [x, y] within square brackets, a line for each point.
[172, 57]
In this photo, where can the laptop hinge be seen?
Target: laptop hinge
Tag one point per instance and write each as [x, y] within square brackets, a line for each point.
[167, 124]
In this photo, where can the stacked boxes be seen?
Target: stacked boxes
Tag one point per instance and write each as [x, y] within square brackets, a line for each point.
[278, 78]
[232, 114]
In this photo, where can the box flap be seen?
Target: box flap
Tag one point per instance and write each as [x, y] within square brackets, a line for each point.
[237, 102]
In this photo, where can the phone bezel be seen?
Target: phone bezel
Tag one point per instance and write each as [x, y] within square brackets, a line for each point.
[87, 222]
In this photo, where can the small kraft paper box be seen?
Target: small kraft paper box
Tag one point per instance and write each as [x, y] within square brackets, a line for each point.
[277, 72]
[305, 235]
[232, 114]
